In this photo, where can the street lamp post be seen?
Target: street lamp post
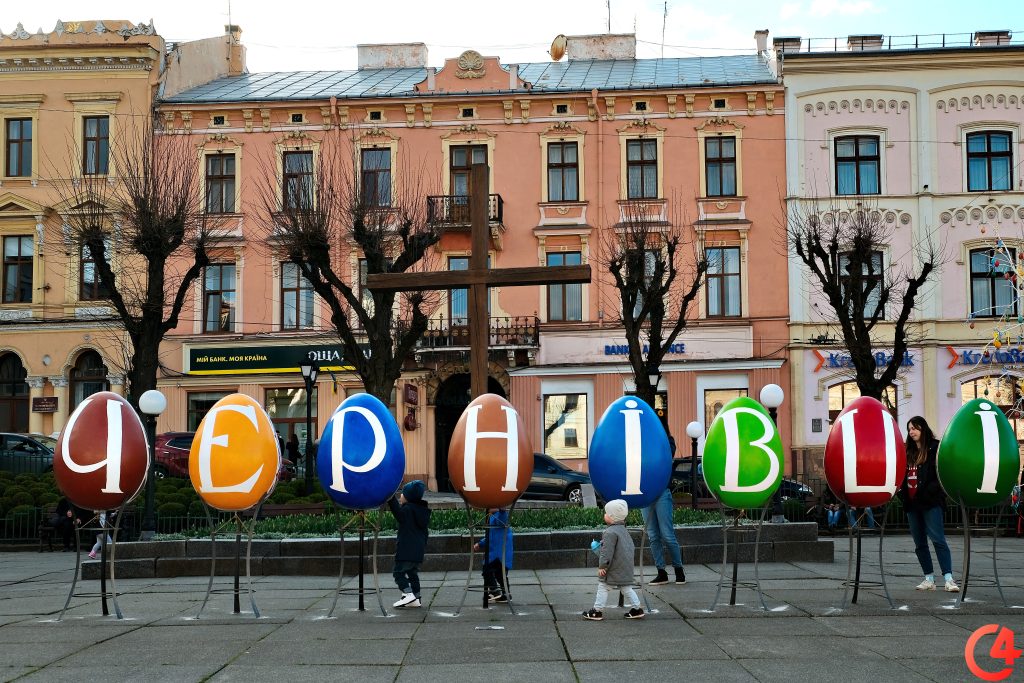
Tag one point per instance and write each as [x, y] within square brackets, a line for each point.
[772, 397]
[309, 371]
[694, 430]
[151, 403]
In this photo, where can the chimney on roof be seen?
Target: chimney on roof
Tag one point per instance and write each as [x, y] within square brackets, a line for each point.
[761, 38]
[392, 56]
[787, 44]
[992, 37]
[861, 43]
[602, 46]
[236, 51]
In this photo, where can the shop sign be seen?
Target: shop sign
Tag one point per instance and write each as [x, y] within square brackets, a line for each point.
[44, 404]
[834, 361]
[251, 360]
[623, 349]
[986, 357]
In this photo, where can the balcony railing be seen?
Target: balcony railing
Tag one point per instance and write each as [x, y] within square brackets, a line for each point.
[453, 210]
[512, 332]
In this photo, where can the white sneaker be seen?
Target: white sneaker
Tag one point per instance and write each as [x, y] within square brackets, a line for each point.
[951, 586]
[407, 599]
[927, 585]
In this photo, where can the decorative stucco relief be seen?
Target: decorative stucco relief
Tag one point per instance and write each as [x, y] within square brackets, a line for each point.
[989, 101]
[878, 216]
[879, 106]
[994, 213]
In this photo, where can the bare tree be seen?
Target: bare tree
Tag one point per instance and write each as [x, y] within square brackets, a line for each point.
[658, 273]
[842, 249]
[322, 214]
[141, 224]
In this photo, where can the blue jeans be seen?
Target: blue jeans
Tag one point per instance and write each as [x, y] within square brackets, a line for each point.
[658, 520]
[928, 524]
[853, 517]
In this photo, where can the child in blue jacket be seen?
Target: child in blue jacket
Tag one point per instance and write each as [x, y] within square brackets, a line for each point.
[497, 539]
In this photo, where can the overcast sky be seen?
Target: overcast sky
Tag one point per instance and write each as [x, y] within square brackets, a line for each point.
[320, 35]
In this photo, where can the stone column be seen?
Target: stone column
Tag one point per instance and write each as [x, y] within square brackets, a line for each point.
[60, 390]
[35, 390]
[116, 384]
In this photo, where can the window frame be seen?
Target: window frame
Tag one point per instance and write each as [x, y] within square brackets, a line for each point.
[582, 441]
[715, 166]
[78, 379]
[381, 178]
[989, 156]
[724, 278]
[560, 167]
[993, 277]
[288, 176]
[641, 165]
[872, 301]
[20, 261]
[192, 416]
[564, 288]
[101, 167]
[297, 291]
[221, 180]
[858, 160]
[452, 320]
[21, 141]
[97, 292]
[207, 293]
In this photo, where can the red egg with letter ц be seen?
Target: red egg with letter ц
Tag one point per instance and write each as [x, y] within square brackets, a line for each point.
[865, 456]
[102, 455]
[490, 460]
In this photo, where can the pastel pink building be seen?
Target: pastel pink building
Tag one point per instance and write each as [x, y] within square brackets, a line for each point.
[571, 145]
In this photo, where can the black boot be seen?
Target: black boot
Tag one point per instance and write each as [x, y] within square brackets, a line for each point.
[680, 575]
[660, 579]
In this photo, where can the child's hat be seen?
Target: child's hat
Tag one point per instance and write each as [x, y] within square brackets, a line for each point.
[413, 491]
[616, 509]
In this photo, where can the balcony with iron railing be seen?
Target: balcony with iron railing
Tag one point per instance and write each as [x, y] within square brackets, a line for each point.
[794, 45]
[453, 210]
[515, 332]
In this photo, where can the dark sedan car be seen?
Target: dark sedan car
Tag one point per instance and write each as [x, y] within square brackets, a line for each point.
[681, 473]
[551, 480]
[26, 453]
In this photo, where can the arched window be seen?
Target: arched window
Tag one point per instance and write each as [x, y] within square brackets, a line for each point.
[841, 395]
[1005, 391]
[87, 377]
[13, 394]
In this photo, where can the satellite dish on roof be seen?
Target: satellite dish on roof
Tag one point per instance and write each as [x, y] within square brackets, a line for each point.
[557, 47]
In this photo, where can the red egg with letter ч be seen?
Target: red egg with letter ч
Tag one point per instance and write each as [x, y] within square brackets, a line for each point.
[102, 455]
[865, 456]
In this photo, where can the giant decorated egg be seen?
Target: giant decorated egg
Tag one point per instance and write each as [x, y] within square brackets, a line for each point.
[361, 458]
[490, 460]
[743, 455]
[978, 460]
[102, 456]
[235, 455]
[865, 457]
[629, 455]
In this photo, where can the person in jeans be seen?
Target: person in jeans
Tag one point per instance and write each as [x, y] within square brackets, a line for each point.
[925, 502]
[660, 529]
[413, 515]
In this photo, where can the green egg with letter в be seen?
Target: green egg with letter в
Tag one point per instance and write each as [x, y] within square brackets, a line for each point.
[743, 455]
[978, 458]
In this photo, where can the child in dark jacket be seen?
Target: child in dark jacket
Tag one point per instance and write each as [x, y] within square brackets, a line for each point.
[413, 515]
[497, 541]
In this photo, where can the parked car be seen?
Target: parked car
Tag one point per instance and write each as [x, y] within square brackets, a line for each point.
[551, 480]
[680, 482]
[26, 453]
[172, 449]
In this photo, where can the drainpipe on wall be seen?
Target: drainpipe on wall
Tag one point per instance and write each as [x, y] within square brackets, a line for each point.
[596, 248]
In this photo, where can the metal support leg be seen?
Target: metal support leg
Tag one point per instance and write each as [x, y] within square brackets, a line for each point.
[472, 556]
[725, 557]
[757, 556]
[78, 569]
[213, 558]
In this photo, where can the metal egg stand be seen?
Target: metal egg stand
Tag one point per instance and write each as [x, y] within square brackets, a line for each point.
[735, 529]
[965, 512]
[474, 523]
[360, 520]
[105, 564]
[856, 531]
[240, 525]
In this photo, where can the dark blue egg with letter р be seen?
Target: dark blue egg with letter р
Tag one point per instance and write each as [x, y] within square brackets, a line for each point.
[361, 458]
[629, 454]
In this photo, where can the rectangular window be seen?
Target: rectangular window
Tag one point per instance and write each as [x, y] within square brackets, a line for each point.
[989, 162]
[297, 182]
[565, 425]
[720, 166]
[287, 411]
[17, 269]
[458, 299]
[857, 165]
[219, 298]
[563, 172]
[565, 302]
[376, 177]
[89, 286]
[870, 282]
[220, 183]
[95, 145]
[642, 169]
[296, 298]
[992, 295]
[19, 148]
[650, 263]
[715, 400]
[199, 405]
[462, 158]
[723, 282]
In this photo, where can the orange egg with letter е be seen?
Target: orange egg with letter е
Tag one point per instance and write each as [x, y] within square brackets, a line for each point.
[102, 456]
[490, 460]
[235, 455]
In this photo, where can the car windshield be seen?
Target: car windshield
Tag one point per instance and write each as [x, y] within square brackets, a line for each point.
[47, 441]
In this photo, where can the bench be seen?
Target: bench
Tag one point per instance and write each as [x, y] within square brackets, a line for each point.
[285, 509]
[46, 527]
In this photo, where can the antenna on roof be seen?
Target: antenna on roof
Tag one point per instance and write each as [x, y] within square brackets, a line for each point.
[557, 50]
[664, 20]
[608, 4]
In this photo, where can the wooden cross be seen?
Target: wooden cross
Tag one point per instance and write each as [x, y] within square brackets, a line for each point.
[478, 278]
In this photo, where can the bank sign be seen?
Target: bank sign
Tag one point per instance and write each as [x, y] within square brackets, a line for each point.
[258, 360]
[623, 349]
[986, 357]
[836, 361]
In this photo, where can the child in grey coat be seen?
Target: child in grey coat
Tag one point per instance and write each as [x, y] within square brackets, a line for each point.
[615, 568]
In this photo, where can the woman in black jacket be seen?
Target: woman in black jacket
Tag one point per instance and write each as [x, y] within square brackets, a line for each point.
[925, 502]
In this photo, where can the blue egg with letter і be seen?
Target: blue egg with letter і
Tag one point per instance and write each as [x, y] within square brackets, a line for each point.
[629, 454]
[361, 458]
